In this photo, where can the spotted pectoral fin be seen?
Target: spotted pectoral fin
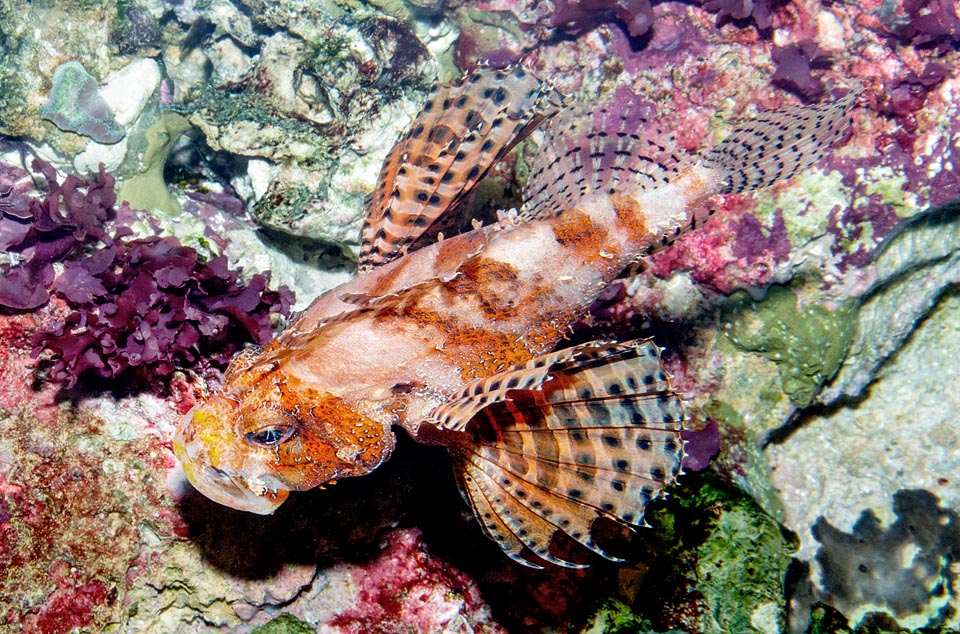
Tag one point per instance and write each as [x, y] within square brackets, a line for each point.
[573, 436]
[463, 130]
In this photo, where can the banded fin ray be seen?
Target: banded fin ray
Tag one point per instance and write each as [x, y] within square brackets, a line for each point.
[463, 129]
[597, 434]
[777, 144]
[586, 150]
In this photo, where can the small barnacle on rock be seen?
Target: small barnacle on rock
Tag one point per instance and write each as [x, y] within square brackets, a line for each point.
[134, 28]
[398, 51]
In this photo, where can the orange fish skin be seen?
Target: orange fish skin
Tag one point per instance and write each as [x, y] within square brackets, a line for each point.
[388, 347]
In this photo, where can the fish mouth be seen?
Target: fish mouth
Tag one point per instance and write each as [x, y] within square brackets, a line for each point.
[234, 491]
[224, 485]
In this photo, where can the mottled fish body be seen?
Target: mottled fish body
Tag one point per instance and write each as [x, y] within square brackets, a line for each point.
[455, 341]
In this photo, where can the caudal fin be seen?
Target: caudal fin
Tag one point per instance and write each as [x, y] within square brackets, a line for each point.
[551, 446]
[776, 145]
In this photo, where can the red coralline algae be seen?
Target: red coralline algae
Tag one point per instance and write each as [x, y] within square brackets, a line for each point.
[70, 606]
[923, 22]
[701, 446]
[16, 365]
[794, 68]
[72, 500]
[72, 505]
[183, 393]
[407, 589]
[576, 16]
[573, 17]
[905, 95]
[760, 10]
[848, 225]
[755, 243]
[735, 252]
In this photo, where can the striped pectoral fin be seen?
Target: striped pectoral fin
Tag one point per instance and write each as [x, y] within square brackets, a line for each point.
[597, 435]
[463, 130]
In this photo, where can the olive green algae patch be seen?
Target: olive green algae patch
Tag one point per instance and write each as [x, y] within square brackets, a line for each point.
[147, 189]
[741, 454]
[807, 343]
[714, 563]
[284, 624]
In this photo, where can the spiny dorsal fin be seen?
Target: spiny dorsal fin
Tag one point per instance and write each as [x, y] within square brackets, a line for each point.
[586, 150]
[589, 432]
[463, 130]
[777, 144]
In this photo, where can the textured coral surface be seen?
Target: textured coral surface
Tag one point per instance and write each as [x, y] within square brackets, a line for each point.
[812, 326]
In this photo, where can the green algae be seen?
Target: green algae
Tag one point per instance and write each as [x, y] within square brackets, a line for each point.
[15, 41]
[741, 569]
[825, 619]
[494, 19]
[221, 108]
[615, 617]
[730, 558]
[147, 190]
[807, 343]
[284, 624]
[735, 555]
[282, 205]
[804, 207]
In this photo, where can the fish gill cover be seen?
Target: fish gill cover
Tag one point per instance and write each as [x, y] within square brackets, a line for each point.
[136, 305]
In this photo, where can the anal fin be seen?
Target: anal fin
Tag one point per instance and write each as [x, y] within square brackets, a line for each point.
[570, 437]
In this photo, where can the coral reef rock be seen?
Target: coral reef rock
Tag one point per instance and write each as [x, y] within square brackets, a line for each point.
[812, 327]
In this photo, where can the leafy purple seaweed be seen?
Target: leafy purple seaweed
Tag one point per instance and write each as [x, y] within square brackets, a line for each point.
[142, 306]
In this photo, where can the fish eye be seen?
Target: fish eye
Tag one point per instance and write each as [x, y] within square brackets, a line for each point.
[271, 435]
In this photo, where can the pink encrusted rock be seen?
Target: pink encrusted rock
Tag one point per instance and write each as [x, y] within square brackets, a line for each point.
[77, 495]
[16, 366]
[407, 589]
[70, 606]
[279, 589]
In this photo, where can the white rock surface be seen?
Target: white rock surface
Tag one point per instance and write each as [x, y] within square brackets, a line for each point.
[904, 435]
[128, 90]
